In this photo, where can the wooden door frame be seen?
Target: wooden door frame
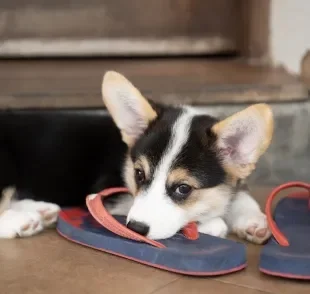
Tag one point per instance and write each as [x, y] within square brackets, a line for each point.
[252, 41]
[254, 31]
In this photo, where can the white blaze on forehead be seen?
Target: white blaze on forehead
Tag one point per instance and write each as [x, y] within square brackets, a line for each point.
[179, 136]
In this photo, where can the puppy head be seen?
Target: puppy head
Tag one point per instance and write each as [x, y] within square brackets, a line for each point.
[182, 165]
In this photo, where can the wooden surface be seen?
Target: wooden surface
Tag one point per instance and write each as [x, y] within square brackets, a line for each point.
[254, 31]
[112, 27]
[77, 83]
[305, 69]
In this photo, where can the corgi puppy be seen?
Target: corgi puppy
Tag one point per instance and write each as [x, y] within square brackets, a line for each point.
[185, 165]
[179, 163]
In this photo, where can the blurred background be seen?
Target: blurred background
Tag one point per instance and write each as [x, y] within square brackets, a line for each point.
[223, 54]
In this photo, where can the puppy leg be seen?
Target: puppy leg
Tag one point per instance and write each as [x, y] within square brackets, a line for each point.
[214, 227]
[6, 198]
[246, 219]
[47, 211]
[19, 224]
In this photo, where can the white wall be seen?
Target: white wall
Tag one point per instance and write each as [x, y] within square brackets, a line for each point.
[289, 32]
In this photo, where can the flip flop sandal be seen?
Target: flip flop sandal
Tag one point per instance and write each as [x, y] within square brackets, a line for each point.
[186, 252]
[287, 253]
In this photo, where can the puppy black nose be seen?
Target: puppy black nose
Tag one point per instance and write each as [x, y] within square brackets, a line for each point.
[138, 227]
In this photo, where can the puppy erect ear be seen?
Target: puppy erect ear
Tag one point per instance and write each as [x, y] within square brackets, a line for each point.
[130, 110]
[243, 138]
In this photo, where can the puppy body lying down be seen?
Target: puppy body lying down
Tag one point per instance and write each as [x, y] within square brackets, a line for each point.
[181, 165]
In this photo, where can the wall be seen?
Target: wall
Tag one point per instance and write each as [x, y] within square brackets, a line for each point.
[289, 32]
[287, 158]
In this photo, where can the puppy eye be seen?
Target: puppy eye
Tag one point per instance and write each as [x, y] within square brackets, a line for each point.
[139, 176]
[183, 190]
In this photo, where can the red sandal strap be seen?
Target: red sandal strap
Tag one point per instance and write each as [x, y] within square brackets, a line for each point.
[191, 231]
[277, 234]
[103, 217]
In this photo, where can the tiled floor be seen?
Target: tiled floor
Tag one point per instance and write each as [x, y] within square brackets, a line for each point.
[49, 264]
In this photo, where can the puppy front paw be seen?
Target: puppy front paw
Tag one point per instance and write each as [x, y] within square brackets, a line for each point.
[19, 224]
[47, 211]
[252, 227]
[215, 227]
